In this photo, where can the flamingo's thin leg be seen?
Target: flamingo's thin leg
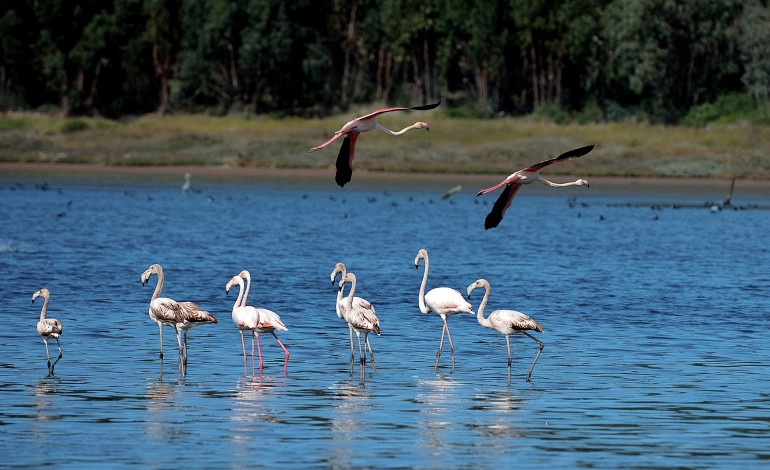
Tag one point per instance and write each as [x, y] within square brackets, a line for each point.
[243, 346]
[540, 349]
[440, 345]
[371, 353]
[48, 357]
[286, 362]
[508, 343]
[160, 327]
[60, 355]
[451, 346]
[259, 350]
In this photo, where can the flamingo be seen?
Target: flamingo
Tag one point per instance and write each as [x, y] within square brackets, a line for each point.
[351, 131]
[181, 315]
[269, 321]
[507, 322]
[360, 316]
[443, 301]
[358, 302]
[526, 176]
[186, 185]
[245, 318]
[48, 327]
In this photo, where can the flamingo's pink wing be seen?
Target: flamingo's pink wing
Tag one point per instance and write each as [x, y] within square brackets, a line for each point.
[501, 205]
[319, 147]
[423, 107]
[575, 153]
[345, 159]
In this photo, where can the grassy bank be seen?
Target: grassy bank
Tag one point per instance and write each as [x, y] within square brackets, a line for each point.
[452, 145]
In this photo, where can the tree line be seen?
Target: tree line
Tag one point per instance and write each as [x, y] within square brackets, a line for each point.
[605, 60]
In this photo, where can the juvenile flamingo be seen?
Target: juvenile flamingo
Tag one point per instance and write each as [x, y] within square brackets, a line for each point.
[527, 176]
[269, 321]
[507, 322]
[245, 317]
[181, 315]
[351, 131]
[443, 301]
[48, 327]
[358, 302]
[360, 316]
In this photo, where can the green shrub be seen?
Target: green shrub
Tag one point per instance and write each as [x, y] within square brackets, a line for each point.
[74, 125]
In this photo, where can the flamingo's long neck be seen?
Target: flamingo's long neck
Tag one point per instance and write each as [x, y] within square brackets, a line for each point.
[480, 312]
[558, 185]
[240, 294]
[45, 307]
[352, 281]
[424, 308]
[248, 286]
[339, 296]
[390, 132]
[158, 286]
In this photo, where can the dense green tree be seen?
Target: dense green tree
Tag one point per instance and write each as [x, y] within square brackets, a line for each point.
[755, 49]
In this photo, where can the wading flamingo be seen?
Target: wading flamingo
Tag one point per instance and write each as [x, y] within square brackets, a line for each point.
[181, 315]
[526, 176]
[360, 316]
[48, 328]
[245, 317]
[351, 131]
[507, 322]
[186, 185]
[443, 301]
[358, 302]
[269, 321]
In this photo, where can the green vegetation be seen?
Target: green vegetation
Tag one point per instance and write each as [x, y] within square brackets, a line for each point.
[467, 145]
[584, 61]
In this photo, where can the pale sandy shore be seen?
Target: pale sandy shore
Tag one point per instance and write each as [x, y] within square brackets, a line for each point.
[10, 169]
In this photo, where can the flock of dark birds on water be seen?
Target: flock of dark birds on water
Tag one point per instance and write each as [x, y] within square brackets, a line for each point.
[358, 313]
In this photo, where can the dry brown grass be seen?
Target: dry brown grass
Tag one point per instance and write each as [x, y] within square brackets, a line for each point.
[452, 145]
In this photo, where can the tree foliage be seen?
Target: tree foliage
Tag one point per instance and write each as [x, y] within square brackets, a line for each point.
[654, 59]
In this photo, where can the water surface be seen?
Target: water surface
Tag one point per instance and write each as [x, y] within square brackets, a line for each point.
[655, 326]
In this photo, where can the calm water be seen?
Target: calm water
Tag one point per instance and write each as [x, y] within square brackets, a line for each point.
[655, 324]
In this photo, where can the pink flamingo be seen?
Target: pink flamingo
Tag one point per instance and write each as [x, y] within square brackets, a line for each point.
[351, 131]
[269, 321]
[526, 176]
[443, 301]
[245, 317]
[48, 328]
[181, 315]
[507, 322]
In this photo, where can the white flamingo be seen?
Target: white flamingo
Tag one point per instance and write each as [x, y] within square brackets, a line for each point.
[354, 128]
[187, 183]
[360, 316]
[269, 321]
[527, 176]
[443, 301]
[181, 315]
[245, 317]
[48, 327]
[507, 322]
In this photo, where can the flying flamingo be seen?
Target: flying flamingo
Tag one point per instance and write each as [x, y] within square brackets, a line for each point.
[360, 316]
[507, 322]
[526, 176]
[269, 321]
[48, 327]
[181, 315]
[443, 301]
[352, 129]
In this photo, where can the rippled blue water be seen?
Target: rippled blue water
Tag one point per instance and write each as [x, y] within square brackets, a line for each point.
[655, 324]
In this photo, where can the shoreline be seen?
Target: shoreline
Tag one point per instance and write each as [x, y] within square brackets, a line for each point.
[230, 172]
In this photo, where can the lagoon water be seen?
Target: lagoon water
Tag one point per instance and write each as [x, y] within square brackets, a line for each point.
[656, 326]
